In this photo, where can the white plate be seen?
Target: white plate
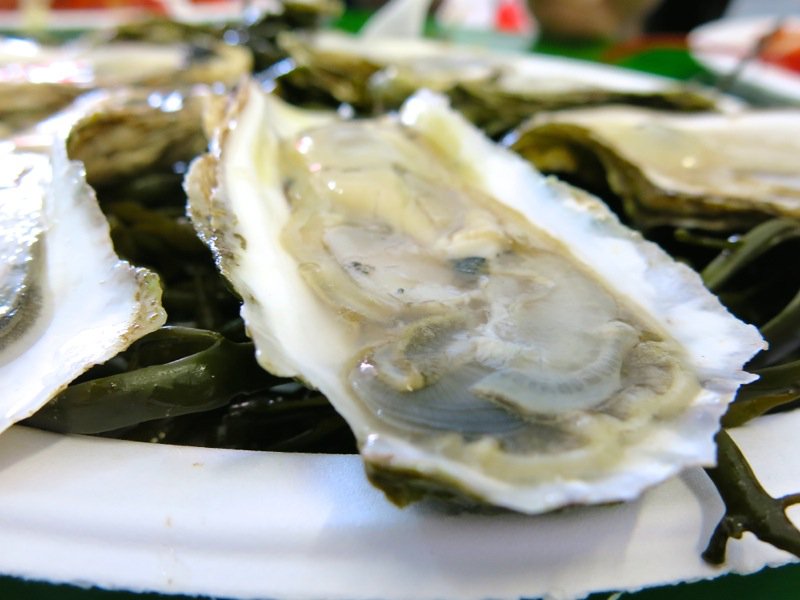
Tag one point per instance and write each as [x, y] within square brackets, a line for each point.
[293, 526]
[719, 46]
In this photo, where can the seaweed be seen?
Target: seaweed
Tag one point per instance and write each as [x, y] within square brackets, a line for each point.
[748, 507]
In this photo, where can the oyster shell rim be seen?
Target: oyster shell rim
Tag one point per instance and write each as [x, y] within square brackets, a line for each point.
[69, 285]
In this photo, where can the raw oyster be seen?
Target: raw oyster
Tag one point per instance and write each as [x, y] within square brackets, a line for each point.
[256, 27]
[125, 132]
[716, 171]
[67, 302]
[121, 63]
[496, 90]
[139, 131]
[485, 331]
[35, 80]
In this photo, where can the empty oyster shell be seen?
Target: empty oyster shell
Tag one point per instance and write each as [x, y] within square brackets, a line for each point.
[67, 302]
[486, 332]
[716, 171]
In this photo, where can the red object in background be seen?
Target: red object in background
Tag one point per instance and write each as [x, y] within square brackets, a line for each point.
[153, 5]
[512, 16]
[150, 5]
[783, 49]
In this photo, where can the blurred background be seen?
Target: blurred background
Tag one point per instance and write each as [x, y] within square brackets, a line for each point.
[566, 19]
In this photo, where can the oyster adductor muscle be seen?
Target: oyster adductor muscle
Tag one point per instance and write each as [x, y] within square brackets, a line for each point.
[485, 331]
[67, 301]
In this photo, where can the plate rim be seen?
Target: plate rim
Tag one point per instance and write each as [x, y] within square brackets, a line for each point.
[709, 44]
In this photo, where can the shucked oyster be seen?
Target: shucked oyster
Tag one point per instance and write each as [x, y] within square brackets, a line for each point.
[37, 80]
[120, 63]
[485, 331]
[67, 302]
[123, 133]
[139, 131]
[712, 170]
[496, 90]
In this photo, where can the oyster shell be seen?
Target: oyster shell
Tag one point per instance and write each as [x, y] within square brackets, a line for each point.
[139, 131]
[67, 302]
[35, 80]
[486, 332]
[496, 90]
[716, 171]
[124, 132]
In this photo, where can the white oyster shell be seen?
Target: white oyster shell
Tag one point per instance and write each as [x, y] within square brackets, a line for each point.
[67, 302]
[609, 296]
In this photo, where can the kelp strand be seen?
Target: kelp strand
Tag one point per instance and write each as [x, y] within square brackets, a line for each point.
[209, 373]
[747, 506]
[751, 246]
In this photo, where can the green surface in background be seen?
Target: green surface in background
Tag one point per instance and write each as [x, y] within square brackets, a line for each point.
[771, 584]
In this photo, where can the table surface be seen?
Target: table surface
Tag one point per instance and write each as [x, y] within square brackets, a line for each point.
[663, 56]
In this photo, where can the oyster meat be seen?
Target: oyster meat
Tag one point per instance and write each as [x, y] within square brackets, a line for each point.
[487, 332]
[716, 171]
[496, 90]
[67, 302]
